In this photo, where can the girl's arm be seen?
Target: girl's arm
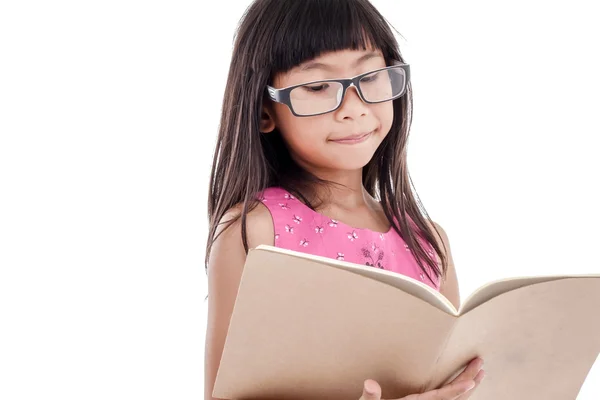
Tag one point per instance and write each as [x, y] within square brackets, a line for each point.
[225, 267]
[449, 285]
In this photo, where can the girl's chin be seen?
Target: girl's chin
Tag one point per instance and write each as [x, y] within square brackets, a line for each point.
[350, 162]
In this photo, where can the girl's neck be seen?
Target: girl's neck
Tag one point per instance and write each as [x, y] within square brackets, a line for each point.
[348, 201]
[348, 193]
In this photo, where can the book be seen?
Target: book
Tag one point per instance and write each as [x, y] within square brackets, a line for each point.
[310, 327]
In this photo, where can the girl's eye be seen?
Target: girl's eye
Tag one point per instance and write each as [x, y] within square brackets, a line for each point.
[370, 78]
[318, 88]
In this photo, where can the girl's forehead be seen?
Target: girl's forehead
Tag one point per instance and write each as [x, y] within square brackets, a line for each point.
[332, 59]
[337, 61]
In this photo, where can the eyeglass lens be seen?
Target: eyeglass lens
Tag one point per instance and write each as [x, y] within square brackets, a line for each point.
[320, 97]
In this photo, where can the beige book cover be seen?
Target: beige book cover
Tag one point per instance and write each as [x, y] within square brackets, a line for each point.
[309, 327]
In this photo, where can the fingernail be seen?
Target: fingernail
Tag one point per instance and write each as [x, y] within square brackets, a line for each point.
[471, 385]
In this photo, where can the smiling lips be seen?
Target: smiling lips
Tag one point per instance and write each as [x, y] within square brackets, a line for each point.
[352, 139]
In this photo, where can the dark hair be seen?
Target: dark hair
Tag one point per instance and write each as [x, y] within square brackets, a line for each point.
[274, 36]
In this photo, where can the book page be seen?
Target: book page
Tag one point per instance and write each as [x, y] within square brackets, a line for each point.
[399, 281]
[303, 329]
[538, 341]
[420, 290]
[495, 288]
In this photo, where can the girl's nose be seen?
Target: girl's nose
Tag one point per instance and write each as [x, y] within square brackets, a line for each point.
[352, 106]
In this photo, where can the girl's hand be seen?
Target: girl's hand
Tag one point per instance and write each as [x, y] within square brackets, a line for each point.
[460, 388]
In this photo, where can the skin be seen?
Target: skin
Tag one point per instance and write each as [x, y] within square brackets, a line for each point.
[311, 144]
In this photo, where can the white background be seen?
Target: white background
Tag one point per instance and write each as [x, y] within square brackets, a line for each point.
[108, 115]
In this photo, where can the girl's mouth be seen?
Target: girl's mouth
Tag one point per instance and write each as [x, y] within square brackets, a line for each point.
[353, 139]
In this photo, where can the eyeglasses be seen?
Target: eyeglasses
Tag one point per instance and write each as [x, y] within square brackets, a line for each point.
[321, 97]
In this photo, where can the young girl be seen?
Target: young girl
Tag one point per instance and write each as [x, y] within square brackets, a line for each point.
[311, 156]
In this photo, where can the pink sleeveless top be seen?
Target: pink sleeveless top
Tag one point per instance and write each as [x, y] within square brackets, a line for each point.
[297, 227]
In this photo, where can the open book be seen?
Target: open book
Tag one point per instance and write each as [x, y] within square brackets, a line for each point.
[309, 327]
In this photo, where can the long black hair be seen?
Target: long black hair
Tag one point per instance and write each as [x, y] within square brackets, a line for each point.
[274, 36]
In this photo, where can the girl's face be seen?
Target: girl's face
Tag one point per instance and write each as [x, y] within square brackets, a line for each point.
[317, 142]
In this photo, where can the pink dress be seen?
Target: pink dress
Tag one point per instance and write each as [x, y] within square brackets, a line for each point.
[299, 228]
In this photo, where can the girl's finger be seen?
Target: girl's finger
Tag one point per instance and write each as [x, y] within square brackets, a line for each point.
[478, 378]
[371, 390]
[451, 391]
[471, 371]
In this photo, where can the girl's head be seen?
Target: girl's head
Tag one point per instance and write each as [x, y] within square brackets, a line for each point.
[283, 43]
[292, 138]
[334, 119]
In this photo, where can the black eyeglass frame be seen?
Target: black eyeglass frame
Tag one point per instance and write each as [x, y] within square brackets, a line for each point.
[282, 95]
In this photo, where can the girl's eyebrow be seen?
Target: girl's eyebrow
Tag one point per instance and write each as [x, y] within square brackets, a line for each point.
[327, 67]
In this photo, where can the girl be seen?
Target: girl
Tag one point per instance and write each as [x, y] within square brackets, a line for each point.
[311, 156]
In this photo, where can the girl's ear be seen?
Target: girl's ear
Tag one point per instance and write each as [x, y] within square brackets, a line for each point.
[267, 120]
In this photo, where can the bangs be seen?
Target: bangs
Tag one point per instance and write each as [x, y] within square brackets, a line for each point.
[309, 28]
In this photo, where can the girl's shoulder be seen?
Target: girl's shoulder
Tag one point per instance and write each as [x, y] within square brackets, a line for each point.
[281, 202]
[259, 226]
[275, 193]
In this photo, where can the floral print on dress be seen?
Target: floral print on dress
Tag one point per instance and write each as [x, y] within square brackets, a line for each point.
[372, 258]
[298, 227]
